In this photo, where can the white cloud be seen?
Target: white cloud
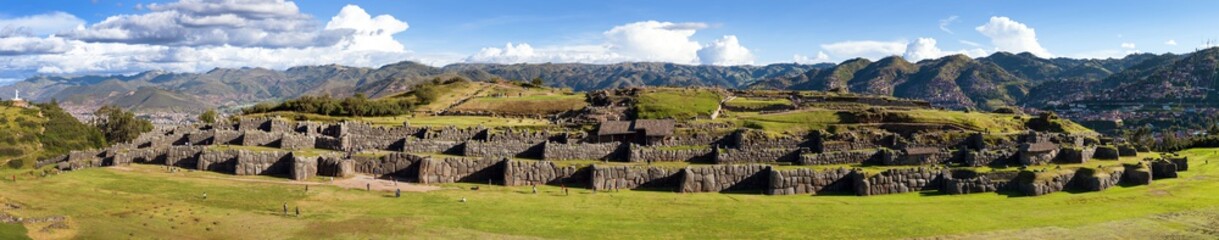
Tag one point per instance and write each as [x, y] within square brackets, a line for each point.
[821, 58]
[725, 51]
[651, 41]
[39, 25]
[266, 33]
[970, 43]
[1128, 45]
[947, 21]
[1171, 42]
[245, 23]
[925, 48]
[655, 41]
[1011, 36]
[866, 49]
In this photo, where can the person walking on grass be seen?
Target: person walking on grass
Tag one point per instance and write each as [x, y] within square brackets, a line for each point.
[535, 188]
[204, 195]
[298, 211]
[285, 208]
[398, 193]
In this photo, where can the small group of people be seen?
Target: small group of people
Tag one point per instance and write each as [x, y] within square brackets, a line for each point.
[298, 210]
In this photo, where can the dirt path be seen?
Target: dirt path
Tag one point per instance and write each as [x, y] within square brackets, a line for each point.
[365, 181]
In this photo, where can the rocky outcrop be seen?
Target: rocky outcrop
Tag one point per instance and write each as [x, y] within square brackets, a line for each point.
[1137, 174]
[1106, 152]
[1074, 155]
[1032, 183]
[1097, 179]
[1037, 153]
[1161, 169]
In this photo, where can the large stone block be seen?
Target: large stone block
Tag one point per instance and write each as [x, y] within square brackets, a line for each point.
[725, 178]
[606, 178]
[809, 181]
[897, 181]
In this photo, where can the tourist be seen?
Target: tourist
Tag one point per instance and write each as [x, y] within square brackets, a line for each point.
[285, 208]
[463, 199]
[298, 211]
[204, 195]
[535, 188]
[306, 188]
[368, 187]
[398, 193]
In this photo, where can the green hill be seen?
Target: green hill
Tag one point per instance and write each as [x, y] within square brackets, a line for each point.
[46, 131]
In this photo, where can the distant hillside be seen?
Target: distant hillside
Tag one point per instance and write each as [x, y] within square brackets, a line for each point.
[952, 81]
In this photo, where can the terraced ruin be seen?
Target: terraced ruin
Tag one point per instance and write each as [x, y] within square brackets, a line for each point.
[672, 139]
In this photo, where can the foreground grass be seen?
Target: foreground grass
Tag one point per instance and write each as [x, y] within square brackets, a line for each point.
[144, 202]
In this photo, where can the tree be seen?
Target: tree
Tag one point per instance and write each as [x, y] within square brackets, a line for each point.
[118, 125]
[536, 82]
[208, 117]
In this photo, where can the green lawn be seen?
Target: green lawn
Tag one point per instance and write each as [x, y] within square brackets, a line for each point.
[143, 201]
[677, 103]
[750, 103]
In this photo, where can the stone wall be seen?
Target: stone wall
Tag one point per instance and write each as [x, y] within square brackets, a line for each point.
[640, 153]
[1136, 174]
[583, 151]
[1161, 169]
[985, 157]
[398, 165]
[768, 155]
[263, 163]
[1072, 155]
[453, 169]
[335, 166]
[725, 178]
[1037, 153]
[894, 181]
[259, 138]
[361, 142]
[840, 157]
[295, 141]
[968, 181]
[528, 172]
[1106, 152]
[1094, 180]
[304, 168]
[634, 177]
[915, 157]
[1032, 183]
[808, 181]
[431, 146]
[1127, 151]
[218, 161]
[226, 137]
[503, 149]
[183, 156]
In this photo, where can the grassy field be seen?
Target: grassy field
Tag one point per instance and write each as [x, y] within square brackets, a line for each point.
[677, 103]
[144, 201]
[525, 105]
[749, 103]
[419, 120]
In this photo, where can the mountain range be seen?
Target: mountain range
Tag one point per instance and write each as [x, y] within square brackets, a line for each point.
[956, 81]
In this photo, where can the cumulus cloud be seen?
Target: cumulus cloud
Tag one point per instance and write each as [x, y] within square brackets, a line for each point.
[821, 58]
[209, 34]
[39, 25]
[1011, 36]
[651, 41]
[1171, 42]
[925, 48]
[947, 21]
[866, 49]
[725, 51]
[1128, 45]
[245, 23]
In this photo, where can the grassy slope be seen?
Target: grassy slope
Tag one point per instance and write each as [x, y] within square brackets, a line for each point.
[22, 136]
[519, 100]
[677, 103]
[149, 202]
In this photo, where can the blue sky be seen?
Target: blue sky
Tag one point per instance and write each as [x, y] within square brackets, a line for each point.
[690, 32]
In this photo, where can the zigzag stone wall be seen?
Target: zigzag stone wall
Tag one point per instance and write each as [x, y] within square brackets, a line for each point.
[450, 170]
[768, 155]
[304, 167]
[503, 149]
[634, 177]
[527, 172]
[808, 181]
[966, 182]
[335, 166]
[183, 156]
[640, 153]
[721, 178]
[582, 151]
[430, 146]
[218, 161]
[832, 158]
[897, 181]
[399, 165]
[263, 163]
